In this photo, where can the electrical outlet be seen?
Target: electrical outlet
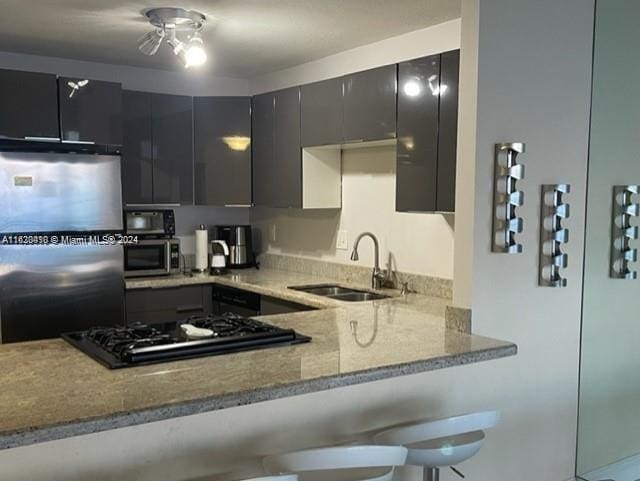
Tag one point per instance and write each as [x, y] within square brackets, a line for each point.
[342, 241]
[272, 233]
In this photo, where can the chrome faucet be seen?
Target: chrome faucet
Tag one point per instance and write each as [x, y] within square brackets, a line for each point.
[378, 277]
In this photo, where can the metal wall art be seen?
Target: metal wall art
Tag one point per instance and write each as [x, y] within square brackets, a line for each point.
[553, 235]
[622, 232]
[507, 198]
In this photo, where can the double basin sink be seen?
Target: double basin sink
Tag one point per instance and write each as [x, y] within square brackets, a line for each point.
[340, 293]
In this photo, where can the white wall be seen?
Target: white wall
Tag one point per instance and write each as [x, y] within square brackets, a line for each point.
[420, 243]
[609, 385]
[533, 85]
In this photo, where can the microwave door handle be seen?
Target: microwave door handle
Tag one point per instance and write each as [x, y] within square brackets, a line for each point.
[167, 251]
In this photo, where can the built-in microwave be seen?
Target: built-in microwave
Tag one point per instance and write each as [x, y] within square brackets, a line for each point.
[151, 223]
[152, 257]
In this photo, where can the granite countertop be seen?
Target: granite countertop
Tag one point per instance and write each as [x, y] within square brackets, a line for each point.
[50, 390]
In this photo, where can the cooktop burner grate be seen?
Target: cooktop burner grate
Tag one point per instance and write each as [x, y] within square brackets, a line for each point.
[137, 344]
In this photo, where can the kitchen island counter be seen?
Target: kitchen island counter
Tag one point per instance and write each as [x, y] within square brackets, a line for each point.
[50, 390]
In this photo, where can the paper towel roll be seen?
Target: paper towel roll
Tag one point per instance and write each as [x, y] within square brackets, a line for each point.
[202, 245]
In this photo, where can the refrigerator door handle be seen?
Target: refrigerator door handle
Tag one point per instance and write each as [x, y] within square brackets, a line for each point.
[42, 139]
[84, 142]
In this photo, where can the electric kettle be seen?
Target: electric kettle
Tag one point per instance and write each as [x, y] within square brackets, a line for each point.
[219, 253]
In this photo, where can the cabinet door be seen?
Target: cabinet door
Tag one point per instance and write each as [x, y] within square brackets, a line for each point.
[271, 305]
[172, 131]
[137, 154]
[222, 150]
[417, 149]
[287, 172]
[90, 111]
[263, 129]
[321, 113]
[448, 131]
[151, 306]
[370, 104]
[29, 105]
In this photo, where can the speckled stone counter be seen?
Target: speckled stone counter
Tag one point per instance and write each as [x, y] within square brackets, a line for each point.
[50, 390]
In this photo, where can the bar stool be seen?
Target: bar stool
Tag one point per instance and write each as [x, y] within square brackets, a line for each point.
[440, 443]
[347, 462]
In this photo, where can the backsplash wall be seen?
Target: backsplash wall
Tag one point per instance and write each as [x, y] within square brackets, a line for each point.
[419, 243]
[189, 218]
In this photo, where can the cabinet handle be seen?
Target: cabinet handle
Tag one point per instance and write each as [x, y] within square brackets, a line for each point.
[84, 142]
[506, 198]
[42, 139]
[622, 232]
[152, 205]
[238, 205]
[185, 309]
[553, 235]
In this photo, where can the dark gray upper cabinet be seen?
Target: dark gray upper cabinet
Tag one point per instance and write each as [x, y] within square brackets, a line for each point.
[417, 149]
[277, 162]
[29, 105]
[286, 177]
[262, 135]
[370, 104]
[448, 131]
[321, 113]
[137, 151]
[427, 133]
[172, 131]
[90, 111]
[222, 150]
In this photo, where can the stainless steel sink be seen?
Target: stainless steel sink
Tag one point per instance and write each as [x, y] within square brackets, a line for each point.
[340, 293]
[359, 296]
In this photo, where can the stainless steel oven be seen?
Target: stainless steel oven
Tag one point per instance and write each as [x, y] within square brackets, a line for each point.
[152, 257]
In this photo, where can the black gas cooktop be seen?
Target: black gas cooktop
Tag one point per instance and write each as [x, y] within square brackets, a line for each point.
[117, 347]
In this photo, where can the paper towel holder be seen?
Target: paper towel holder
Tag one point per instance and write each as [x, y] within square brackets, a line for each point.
[201, 265]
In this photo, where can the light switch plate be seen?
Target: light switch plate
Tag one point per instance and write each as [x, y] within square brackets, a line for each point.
[342, 241]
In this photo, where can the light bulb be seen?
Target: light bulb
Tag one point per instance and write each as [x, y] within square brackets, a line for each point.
[195, 55]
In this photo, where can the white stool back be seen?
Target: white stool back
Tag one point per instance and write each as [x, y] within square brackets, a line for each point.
[339, 458]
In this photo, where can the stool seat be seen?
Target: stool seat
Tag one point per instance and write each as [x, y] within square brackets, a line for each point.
[440, 443]
[285, 477]
[344, 463]
[447, 451]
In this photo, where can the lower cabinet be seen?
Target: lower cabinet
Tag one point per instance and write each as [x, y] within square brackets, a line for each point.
[271, 305]
[172, 304]
[156, 306]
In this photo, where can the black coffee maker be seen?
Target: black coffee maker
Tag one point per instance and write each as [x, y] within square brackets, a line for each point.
[239, 240]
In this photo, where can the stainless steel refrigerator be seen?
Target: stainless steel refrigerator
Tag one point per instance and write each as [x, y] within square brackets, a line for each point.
[50, 281]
